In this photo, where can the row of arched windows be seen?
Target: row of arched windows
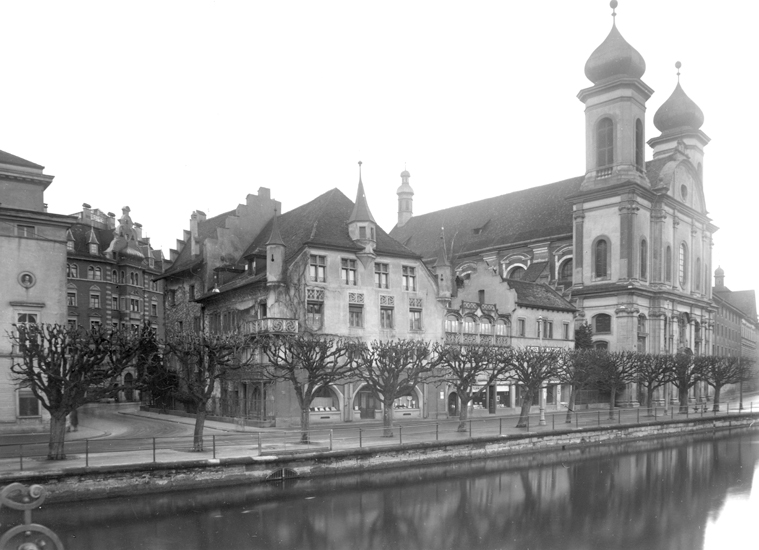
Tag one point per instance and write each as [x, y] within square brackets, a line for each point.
[605, 143]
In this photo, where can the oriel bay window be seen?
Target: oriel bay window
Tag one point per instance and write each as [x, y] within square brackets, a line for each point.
[317, 266]
[348, 271]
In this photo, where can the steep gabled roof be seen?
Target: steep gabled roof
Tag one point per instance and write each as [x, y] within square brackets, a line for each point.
[744, 300]
[322, 222]
[536, 213]
[206, 229]
[536, 295]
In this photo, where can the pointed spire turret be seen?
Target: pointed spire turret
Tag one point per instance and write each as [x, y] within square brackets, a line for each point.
[361, 212]
[361, 225]
[443, 271]
[275, 254]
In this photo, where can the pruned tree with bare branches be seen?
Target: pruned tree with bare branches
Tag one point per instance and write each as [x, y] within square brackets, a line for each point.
[721, 371]
[66, 367]
[309, 363]
[684, 377]
[390, 370]
[201, 360]
[464, 366]
[615, 371]
[578, 371]
[653, 371]
[531, 368]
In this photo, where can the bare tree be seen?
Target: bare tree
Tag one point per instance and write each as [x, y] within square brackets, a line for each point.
[578, 371]
[615, 371]
[390, 370]
[653, 371]
[202, 359]
[463, 367]
[309, 363]
[684, 377]
[720, 371]
[66, 367]
[531, 368]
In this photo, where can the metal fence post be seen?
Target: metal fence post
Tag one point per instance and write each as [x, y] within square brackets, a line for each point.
[470, 428]
[500, 426]
[330, 440]
[400, 435]
[437, 431]
[638, 421]
[619, 416]
[654, 414]
[599, 418]
[259, 443]
[528, 421]
[154, 450]
[577, 420]
[213, 439]
[360, 438]
[87, 452]
[553, 421]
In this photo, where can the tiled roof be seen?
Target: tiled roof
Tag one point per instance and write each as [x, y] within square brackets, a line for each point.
[536, 213]
[322, 222]
[744, 300]
[534, 271]
[13, 160]
[539, 296]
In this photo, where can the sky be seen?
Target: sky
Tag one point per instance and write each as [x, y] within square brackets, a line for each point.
[174, 106]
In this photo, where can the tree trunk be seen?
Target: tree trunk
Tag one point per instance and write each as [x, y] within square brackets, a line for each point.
[523, 421]
[682, 393]
[387, 420]
[650, 399]
[717, 389]
[612, 402]
[305, 424]
[55, 449]
[197, 436]
[571, 403]
[463, 415]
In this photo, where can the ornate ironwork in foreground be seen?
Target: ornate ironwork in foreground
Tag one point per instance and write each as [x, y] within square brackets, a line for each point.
[28, 536]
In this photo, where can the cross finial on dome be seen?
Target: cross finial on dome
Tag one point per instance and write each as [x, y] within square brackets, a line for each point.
[677, 66]
[613, 5]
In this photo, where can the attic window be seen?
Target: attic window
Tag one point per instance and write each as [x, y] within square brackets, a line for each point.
[93, 248]
[70, 245]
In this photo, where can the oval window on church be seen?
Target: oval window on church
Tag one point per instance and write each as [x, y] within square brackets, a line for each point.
[516, 273]
[684, 192]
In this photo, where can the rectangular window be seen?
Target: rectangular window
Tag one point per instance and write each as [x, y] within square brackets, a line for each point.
[547, 329]
[386, 318]
[362, 232]
[27, 403]
[317, 267]
[115, 303]
[521, 327]
[134, 305]
[348, 272]
[314, 314]
[415, 319]
[409, 278]
[380, 275]
[94, 324]
[26, 231]
[192, 292]
[154, 310]
[95, 301]
[355, 316]
[71, 298]
[566, 331]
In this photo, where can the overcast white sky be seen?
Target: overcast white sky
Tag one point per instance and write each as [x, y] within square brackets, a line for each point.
[170, 107]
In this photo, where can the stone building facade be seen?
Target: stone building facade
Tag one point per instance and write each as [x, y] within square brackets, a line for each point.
[33, 267]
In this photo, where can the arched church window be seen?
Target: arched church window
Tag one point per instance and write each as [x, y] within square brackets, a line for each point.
[602, 323]
[602, 259]
[516, 273]
[604, 143]
[565, 271]
[643, 259]
[683, 264]
[640, 159]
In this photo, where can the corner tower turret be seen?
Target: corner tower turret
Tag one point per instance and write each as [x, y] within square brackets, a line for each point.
[615, 108]
[362, 228]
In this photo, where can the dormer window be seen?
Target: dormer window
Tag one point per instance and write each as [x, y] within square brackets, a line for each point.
[362, 232]
[70, 245]
[93, 248]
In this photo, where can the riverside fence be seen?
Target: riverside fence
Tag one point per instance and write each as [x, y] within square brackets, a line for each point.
[121, 451]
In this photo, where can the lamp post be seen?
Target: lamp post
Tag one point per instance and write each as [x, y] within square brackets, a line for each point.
[541, 390]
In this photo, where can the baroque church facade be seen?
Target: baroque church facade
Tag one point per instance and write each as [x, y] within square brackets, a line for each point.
[628, 243]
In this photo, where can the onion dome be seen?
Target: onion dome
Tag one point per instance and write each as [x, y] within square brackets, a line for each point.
[719, 272]
[614, 58]
[405, 174]
[405, 187]
[678, 111]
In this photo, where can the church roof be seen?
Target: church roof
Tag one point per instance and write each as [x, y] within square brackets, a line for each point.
[535, 213]
[614, 58]
[744, 300]
[13, 160]
[679, 111]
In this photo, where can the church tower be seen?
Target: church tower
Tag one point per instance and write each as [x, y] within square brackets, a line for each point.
[615, 108]
[405, 200]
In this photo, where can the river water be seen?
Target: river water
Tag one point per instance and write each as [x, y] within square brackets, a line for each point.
[680, 493]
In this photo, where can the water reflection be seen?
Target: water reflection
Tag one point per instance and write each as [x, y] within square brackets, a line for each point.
[655, 494]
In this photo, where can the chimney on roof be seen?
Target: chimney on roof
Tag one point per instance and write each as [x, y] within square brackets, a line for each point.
[193, 238]
[111, 221]
[86, 213]
[138, 231]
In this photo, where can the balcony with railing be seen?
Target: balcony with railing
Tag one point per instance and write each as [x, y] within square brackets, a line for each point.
[272, 325]
[471, 332]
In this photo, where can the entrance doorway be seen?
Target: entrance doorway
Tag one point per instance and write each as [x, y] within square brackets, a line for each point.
[453, 404]
[367, 403]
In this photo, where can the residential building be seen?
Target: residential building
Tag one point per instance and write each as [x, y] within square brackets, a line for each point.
[112, 278]
[33, 267]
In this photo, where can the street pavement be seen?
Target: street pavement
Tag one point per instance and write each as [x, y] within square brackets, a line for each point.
[111, 435]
